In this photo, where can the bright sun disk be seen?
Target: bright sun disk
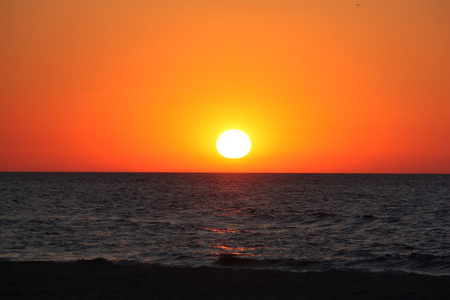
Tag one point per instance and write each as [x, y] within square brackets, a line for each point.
[233, 143]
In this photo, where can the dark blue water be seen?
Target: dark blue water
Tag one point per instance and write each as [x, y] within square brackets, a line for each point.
[295, 222]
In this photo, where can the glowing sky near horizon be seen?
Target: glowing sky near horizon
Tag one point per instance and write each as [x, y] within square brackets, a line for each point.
[320, 86]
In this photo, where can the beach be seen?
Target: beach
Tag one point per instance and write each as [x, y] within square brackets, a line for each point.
[102, 279]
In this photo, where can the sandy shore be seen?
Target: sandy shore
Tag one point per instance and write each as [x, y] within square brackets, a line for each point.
[100, 279]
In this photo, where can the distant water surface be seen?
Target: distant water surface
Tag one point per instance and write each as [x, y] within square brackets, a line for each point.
[295, 222]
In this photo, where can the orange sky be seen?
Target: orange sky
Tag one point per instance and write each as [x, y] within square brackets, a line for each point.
[319, 85]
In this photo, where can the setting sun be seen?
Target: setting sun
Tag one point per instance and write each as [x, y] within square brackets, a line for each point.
[233, 144]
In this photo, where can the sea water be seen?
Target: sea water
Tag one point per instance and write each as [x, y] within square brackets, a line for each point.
[294, 222]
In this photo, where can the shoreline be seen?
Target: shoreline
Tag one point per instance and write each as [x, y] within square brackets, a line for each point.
[101, 279]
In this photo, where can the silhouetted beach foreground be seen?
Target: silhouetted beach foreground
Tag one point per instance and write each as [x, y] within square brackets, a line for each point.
[101, 279]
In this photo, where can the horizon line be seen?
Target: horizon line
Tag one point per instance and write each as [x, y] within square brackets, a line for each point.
[199, 172]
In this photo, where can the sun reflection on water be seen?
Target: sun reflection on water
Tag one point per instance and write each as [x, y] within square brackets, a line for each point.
[225, 230]
[222, 248]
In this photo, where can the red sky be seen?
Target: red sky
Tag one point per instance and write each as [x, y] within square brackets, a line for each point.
[319, 86]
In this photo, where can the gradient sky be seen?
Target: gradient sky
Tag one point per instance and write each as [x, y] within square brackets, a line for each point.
[318, 85]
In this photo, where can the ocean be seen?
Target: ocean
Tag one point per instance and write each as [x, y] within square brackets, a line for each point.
[290, 222]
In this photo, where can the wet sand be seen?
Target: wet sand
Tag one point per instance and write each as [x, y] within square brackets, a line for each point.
[100, 279]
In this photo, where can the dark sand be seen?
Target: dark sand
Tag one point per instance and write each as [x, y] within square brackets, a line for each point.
[100, 279]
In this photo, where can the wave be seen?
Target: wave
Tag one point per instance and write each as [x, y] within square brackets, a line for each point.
[412, 263]
[428, 261]
[232, 260]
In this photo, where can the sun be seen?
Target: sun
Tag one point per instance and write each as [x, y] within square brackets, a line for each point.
[233, 143]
